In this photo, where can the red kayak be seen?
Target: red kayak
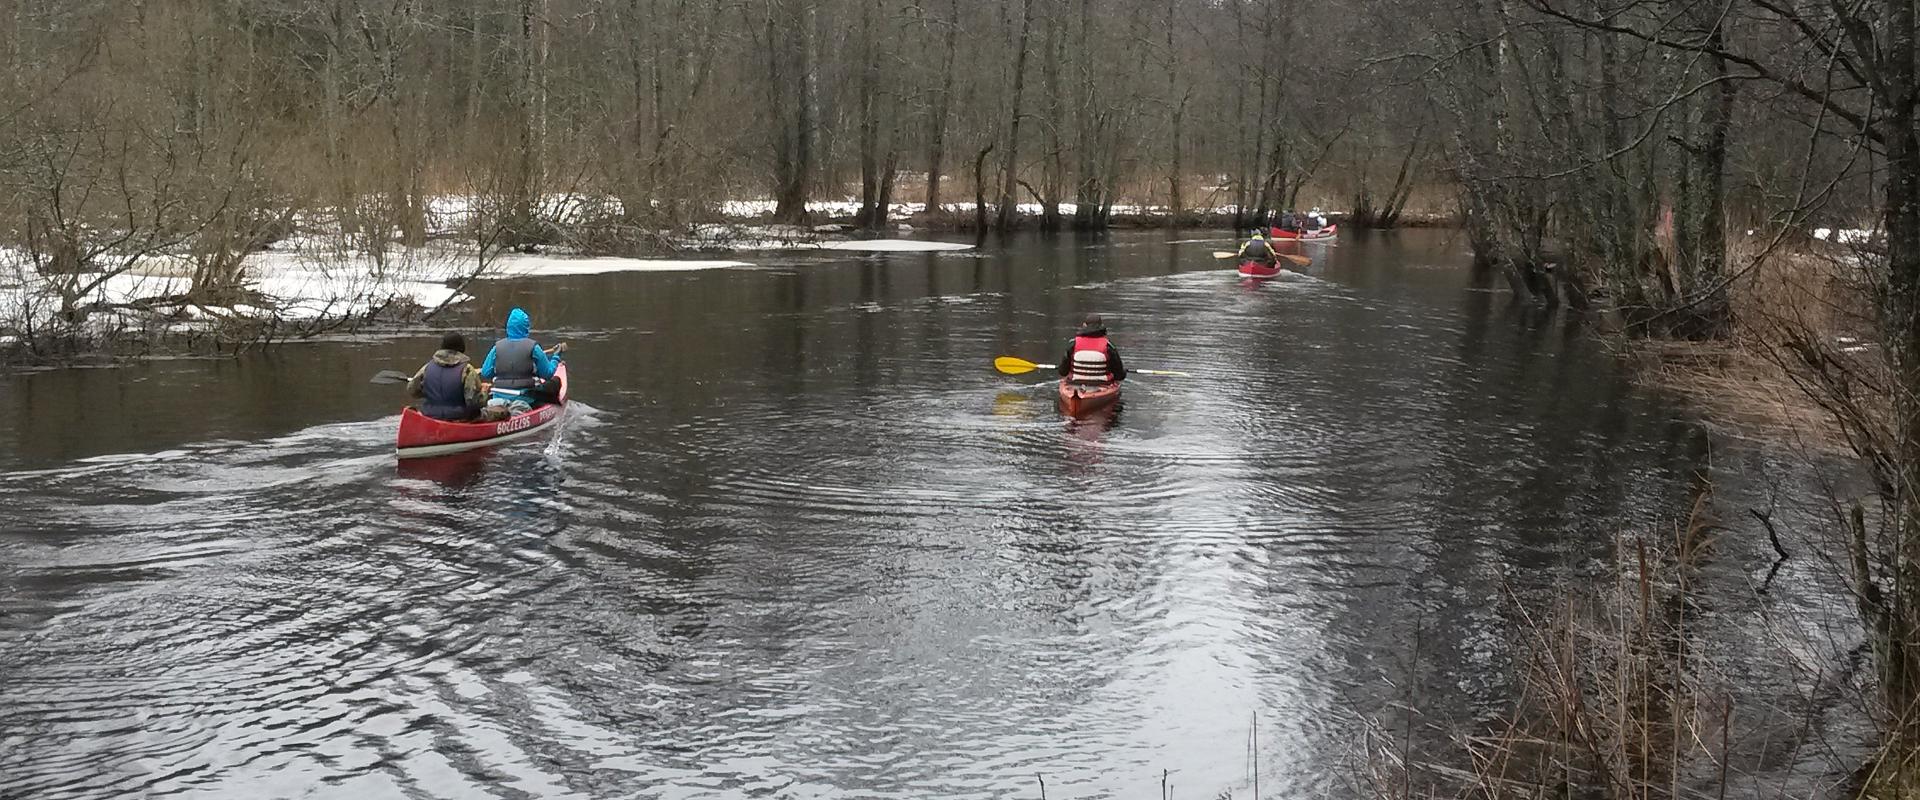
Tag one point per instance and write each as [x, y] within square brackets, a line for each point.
[422, 436]
[1308, 236]
[1255, 269]
[1081, 399]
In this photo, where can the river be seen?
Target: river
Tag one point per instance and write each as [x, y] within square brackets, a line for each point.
[798, 539]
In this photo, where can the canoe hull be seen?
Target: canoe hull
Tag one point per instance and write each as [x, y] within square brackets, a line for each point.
[1307, 236]
[422, 436]
[1079, 400]
[1255, 269]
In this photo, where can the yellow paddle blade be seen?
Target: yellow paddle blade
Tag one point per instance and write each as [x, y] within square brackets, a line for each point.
[1224, 254]
[1298, 261]
[1014, 366]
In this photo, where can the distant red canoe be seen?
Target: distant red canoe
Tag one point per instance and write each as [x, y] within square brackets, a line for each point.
[1079, 400]
[1255, 269]
[422, 436]
[1307, 236]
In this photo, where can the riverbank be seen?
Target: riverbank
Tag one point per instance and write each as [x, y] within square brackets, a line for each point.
[304, 276]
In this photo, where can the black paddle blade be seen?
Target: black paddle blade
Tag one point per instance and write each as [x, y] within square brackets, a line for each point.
[391, 376]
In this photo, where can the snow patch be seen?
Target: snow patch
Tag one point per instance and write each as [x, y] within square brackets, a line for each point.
[1843, 235]
[541, 266]
[894, 246]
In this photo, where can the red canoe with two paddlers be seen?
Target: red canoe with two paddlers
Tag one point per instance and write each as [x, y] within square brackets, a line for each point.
[422, 436]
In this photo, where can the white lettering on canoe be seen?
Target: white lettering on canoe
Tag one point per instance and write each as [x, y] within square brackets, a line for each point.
[517, 424]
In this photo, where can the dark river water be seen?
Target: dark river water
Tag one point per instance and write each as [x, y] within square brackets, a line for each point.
[796, 538]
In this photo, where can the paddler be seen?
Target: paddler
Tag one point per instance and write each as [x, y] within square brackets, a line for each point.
[448, 386]
[1091, 358]
[518, 368]
[1258, 249]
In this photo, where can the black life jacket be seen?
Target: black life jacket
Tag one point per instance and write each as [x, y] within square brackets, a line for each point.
[513, 366]
[444, 391]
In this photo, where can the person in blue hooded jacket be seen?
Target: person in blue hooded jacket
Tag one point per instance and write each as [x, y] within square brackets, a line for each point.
[517, 367]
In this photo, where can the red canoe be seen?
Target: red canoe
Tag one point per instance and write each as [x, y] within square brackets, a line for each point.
[1308, 236]
[422, 436]
[1255, 269]
[1079, 399]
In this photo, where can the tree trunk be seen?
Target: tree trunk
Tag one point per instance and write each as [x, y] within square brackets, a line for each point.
[1176, 204]
[1902, 220]
[1713, 315]
[1243, 173]
[937, 118]
[1051, 185]
[476, 64]
[980, 190]
[532, 109]
[797, 85]
[872, 216]
[1010, 173]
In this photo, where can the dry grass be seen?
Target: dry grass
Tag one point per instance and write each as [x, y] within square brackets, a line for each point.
[1740, 390]
[1622, 693]
[1797, 313]
[1613, 699]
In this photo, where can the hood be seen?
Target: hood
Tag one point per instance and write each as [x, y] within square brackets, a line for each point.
[1100, 330]
[450, 358]
[518, 324]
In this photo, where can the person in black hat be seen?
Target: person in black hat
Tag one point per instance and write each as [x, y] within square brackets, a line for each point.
[448, 387]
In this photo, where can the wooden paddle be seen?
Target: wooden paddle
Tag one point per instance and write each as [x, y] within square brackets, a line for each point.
[1021, 366]
[1298, 261]
[387, 376]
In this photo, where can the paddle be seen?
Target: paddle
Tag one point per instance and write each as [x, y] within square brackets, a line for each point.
[1021, 366]
[388, 376]
[1298, 261]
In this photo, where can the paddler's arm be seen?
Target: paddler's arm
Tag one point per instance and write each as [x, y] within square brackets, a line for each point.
[486, 367]
[1066, 361]
[1114, 366]
[476, 394]
[417, 385]
[543, 364]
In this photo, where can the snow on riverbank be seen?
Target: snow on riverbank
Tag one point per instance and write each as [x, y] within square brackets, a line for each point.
[748, 209]
[317, 285]
[1844, 235]
[894, 246]
[532, 266]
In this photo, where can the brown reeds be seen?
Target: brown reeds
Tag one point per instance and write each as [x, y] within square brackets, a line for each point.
[1804, 320]
[1614, 702]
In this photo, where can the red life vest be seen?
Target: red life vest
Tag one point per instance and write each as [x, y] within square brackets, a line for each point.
[1089, 360]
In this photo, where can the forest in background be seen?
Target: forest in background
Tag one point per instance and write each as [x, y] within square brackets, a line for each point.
[1625, 140]
[1666, 160]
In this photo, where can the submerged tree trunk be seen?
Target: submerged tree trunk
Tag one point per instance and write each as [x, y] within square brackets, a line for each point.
[980, 189]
